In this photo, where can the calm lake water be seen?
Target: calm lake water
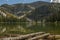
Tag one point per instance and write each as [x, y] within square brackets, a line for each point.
[25, 28]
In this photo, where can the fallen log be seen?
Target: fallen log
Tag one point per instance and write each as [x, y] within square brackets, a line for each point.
[23, 36]
[40, 36]
[57, 36]
[54, 36]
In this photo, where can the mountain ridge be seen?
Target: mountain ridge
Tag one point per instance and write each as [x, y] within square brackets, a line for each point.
[43, 10]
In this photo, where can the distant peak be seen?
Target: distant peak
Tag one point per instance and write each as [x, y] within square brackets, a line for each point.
[55, 1]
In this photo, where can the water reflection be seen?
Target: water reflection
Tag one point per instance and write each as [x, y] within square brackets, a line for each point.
[24, 28]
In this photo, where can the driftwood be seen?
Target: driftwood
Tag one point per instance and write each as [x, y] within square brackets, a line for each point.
[34, 36]
[23, 36]
[54, 37]
[57, 36]
[40, 36]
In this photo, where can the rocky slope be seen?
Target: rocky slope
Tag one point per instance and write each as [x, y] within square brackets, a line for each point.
[41, 11]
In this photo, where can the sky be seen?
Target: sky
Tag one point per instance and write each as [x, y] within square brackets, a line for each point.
[19, 1]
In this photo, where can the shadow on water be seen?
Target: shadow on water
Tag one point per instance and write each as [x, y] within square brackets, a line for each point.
[21, 28]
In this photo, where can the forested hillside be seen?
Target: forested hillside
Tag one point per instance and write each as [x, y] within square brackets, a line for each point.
[50, 12]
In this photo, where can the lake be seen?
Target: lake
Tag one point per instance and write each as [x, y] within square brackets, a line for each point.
[25, 28]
